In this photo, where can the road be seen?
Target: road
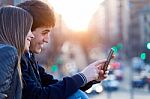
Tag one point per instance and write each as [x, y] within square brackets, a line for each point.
[125, 91]
[138, 94]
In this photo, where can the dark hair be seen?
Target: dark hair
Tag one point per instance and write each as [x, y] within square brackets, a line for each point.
[43, 15]
[15, 24]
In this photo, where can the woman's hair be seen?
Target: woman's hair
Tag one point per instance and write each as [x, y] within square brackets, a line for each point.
[15, 24]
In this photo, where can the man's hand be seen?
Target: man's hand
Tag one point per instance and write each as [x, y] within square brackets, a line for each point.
[103, 73]
[92, 71]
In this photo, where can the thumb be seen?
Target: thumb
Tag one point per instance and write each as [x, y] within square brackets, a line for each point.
[99, 62]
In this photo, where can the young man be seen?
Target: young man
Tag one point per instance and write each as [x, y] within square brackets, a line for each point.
[37, 83]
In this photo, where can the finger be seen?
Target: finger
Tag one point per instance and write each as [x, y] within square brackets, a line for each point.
[100, 62]
[98, 71]
[96, 76]
[105, 76]
[106, 72]
[113, 56]
[101, 73]
[109, 66]
[101, 78]
[100, 66]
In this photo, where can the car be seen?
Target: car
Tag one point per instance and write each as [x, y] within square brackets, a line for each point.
[137, 64]
[119, 74]
[96, 88]
[117, 70]
[138, 82]
[111, 83]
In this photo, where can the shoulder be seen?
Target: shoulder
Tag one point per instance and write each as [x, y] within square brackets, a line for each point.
[7, 46]
[7, 49]
[8, 54]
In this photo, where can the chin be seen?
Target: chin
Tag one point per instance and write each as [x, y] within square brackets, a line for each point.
[26, 48]
[37, 51]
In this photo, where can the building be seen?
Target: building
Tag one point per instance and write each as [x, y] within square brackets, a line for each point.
[111, 21]
[10, 2]
[139, 32]
[6, 2]
[13, 2]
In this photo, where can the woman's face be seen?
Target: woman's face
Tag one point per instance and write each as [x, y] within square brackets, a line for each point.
[28, 40]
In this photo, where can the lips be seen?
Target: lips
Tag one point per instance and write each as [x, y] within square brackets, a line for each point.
[29, 39]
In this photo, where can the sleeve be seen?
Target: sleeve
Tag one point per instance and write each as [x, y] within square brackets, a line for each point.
[48, 79]
[61, 89]
[89, 85]
[8, 60]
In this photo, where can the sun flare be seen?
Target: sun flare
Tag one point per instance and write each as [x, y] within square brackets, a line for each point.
[76, 13]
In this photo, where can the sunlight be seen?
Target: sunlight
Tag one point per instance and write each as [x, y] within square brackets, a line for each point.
[76, 13]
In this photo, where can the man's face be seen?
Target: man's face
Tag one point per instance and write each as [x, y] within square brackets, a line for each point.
[41, 36]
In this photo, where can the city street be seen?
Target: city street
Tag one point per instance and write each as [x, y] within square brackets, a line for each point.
[71, 40]
[125, 91]
[122, 95]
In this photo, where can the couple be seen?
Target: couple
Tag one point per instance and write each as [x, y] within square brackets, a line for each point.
[20, 74]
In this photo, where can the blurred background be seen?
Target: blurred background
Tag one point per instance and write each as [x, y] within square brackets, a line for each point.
[86, 30]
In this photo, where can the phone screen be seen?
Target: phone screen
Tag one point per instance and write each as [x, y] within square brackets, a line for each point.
[108, 59]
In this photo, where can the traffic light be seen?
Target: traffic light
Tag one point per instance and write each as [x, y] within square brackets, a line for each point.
[148, 45]
[143, 56]
[54, 68]
[117, 47]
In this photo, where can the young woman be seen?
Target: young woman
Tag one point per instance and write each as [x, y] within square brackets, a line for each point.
[15, 35]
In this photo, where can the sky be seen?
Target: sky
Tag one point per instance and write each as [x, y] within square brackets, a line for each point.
[76, 13]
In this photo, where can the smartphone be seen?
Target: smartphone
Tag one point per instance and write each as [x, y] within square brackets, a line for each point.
[108, 59]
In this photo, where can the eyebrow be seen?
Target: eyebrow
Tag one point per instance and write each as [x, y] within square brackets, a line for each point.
[46, 31]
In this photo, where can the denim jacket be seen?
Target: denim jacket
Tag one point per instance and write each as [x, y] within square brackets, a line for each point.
[10, 86]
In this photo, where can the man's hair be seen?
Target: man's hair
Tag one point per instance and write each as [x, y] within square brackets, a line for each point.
[43, 15]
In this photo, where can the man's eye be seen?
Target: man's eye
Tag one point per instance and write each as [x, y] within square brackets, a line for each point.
[44, 33]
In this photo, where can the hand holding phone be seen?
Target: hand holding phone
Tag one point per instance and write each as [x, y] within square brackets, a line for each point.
[110, 55]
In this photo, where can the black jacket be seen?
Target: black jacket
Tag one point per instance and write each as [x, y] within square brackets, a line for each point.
[40, 85]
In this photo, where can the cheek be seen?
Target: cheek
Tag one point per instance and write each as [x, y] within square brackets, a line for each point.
[38, 37]
[26, 41]
[34, 42]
